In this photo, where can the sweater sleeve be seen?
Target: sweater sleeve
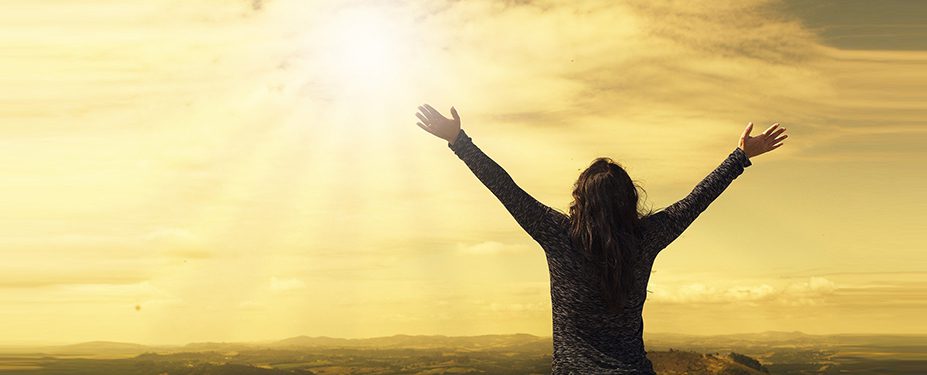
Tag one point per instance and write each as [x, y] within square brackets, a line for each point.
[674, 219]
[527, 211]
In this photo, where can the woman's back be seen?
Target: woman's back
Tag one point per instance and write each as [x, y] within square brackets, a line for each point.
[587, 337]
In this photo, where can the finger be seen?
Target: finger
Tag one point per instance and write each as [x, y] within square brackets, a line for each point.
[776, 133]
[434, 111]
[432, 115]
[420, 117]
[427, 113]
[777, 140]
[747, 131]
[454, 113]
[776, 146]
[770, 129]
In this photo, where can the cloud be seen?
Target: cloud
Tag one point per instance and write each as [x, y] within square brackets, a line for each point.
[650, 70]
[177, 243]
[488, 248]
[728, 29]
[895, 25]
[89, 259]
[60, 276]
[622, 53]
[806, 292]
[279, 285]
[815, 285]
[519, 307]
[169, 241]
[94, 292]
[251, 305]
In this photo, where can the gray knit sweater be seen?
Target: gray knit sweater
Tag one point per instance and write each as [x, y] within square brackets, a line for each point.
[586, 338]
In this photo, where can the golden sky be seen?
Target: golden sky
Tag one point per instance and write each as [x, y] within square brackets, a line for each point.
[248, 170]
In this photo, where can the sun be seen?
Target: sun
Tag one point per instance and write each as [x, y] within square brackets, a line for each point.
[364, 48]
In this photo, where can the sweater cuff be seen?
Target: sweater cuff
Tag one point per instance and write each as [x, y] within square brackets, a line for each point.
[462, 138]
[741, 157]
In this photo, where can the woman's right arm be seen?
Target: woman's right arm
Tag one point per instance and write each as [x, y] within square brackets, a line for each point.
[528, 212]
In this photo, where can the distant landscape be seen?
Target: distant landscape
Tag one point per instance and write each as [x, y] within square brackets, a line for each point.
[746, 354]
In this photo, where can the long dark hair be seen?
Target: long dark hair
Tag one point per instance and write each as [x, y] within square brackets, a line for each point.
[604, 225]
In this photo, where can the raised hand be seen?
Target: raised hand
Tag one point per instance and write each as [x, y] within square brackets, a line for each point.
[435, 123]
[764, 142]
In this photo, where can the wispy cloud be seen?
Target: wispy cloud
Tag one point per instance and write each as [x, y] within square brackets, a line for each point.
[490, 248]
[805, 292]
[281, 284]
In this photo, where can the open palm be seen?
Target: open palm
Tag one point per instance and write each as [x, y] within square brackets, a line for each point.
[435, 123]
[766, 141]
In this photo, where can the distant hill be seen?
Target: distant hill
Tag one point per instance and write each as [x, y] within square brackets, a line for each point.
[217, 347]
[519, 341]
[675, 362]
[781, 353]
[358, 361]
[95, 348]
[745, 341]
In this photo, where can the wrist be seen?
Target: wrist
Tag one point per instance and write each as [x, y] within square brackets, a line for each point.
[744, 151]
[454, 138]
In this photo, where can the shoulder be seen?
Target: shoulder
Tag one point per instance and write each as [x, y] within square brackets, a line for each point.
[653, 222]
[653, 229]
[552, 229]
[558, 218]
[653, 218]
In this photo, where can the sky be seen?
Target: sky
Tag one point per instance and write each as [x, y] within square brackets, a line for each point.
[217, 170]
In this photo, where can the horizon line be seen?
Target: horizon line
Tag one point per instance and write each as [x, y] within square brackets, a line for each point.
[265, 341]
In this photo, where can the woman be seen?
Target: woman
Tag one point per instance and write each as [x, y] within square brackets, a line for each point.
[600, 256]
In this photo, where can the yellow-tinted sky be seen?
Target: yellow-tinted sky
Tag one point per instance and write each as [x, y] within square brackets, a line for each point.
[252, 170]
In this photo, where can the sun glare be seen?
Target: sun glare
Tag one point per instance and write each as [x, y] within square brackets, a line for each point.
[363, 47]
